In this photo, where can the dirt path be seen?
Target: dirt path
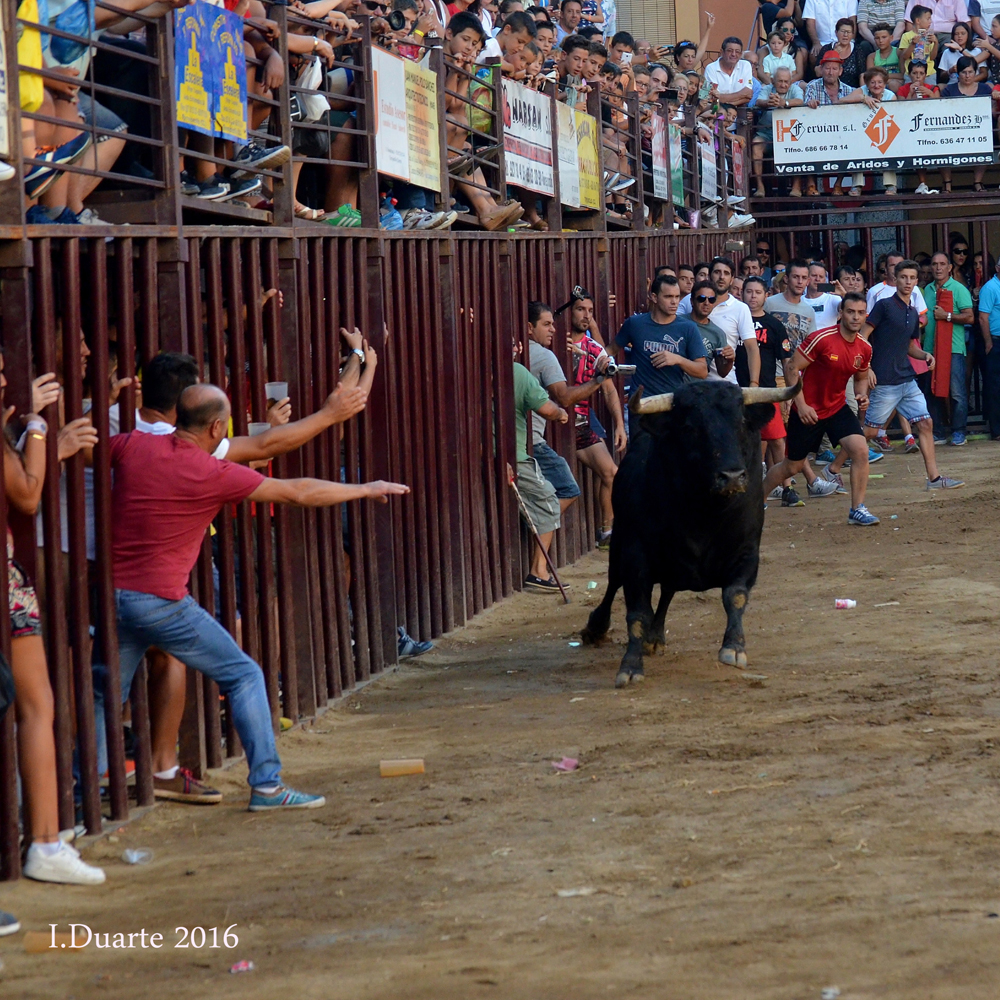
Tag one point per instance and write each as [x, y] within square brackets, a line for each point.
[834, 824]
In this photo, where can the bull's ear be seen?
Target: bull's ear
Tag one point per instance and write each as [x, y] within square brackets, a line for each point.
[758, 415]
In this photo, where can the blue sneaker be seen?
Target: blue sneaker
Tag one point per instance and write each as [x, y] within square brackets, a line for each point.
[862, 516]
[958, 439]
[825, 457]
[8, 924]
[874, 456]
[284, 798]
[408, 646]
[38, 215]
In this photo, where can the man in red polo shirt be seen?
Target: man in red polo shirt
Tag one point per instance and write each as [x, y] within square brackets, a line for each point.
[826, 359]
[167, 489]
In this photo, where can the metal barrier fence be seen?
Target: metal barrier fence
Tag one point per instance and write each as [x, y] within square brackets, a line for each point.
[169, 174]
[313, 596]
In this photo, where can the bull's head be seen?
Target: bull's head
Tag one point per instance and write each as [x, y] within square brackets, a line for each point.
[711, 429]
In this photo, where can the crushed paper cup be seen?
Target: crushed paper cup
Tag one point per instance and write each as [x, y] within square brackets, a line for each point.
[566, 764]
[244, 966]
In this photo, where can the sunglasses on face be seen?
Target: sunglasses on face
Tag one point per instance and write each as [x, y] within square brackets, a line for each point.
[961, 250]
[704, 298]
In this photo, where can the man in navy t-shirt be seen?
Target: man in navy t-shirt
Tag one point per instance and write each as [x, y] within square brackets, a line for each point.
[664, 347]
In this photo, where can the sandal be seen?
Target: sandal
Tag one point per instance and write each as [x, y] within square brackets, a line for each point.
[978, 186]
[310, 214]
[811, 191]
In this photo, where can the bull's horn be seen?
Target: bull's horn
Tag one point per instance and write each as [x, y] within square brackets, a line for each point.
[754, 394]
[656, 404]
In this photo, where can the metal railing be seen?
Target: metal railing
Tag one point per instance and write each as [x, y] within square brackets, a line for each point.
[333, 153]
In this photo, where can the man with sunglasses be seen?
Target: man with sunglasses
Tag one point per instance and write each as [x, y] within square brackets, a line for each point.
[732, 317]
[718, 352]
[764, 256]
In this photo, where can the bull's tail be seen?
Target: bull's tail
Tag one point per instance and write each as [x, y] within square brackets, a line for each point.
[600, 618]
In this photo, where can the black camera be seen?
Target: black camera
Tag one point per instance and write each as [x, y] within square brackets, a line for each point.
[397, 20]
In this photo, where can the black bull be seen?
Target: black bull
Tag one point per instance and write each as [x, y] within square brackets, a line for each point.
[689, 510]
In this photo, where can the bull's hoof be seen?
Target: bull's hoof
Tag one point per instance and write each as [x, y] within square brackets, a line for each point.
[654, 647]
[733, 658]
[591, 638]
[626, 677]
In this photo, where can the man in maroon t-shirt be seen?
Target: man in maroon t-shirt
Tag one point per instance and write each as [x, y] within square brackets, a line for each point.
[827, 358]
[167, 489]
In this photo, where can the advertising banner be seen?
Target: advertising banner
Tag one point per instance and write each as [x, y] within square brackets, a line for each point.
[4, 108]
[739, 169]
[392, 144]
[709, 172]
[588, 160]
[898, 135]
[676, 165]
[195, 72]
[423, 138]
[527, 140]
[569, 157]
[229, 82]
[661, 186]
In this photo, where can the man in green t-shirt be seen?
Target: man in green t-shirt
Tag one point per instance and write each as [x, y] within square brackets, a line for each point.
[538, 493]
[959, 314]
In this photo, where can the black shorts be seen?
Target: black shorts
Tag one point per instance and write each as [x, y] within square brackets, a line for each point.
[804, 438]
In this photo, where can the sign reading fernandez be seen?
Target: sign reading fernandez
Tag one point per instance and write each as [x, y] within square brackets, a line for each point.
[898, 135]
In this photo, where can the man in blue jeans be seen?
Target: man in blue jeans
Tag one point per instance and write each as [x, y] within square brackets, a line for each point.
[989, 325]
[167, 489]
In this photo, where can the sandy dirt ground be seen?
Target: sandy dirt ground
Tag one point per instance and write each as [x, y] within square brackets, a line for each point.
[828, 819]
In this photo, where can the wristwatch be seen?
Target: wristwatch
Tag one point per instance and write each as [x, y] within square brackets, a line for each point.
[949, 317]
[360, 353]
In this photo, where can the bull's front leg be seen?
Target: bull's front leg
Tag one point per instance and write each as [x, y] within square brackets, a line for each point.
[656, 639]
[734, 600]
[639, 619]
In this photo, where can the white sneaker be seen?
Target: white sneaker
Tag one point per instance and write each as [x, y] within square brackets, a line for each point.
[924, 189]
[64, 866]
[776, 493]
[6, 171]
[822, 488]
[737, 221]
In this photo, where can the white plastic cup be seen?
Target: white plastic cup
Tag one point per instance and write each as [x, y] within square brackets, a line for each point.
[844, 604]
[275, 392]
[137, 856]
[258, 427]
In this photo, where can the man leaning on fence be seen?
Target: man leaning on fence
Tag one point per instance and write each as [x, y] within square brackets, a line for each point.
[167, 489]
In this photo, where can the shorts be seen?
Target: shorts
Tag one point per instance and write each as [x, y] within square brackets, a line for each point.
[803, 438]
[22, 602]
[539, 497]
[906, 398]
[307, 140]
[556, 470]
[586, 438]
[99, 116]
[774, 429]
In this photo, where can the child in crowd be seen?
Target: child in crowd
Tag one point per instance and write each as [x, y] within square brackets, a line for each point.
[777, 55]
[921, 43]
[885, 56]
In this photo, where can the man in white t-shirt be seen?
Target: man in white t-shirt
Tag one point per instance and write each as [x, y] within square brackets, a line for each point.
[820, 18]
[732, 317]
[825, 304]
[886, 289]
[730, 75]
